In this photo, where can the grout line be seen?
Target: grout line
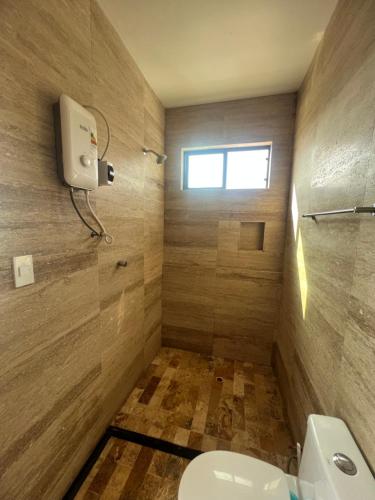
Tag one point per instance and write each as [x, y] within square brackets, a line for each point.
[86, 469]
[133, 437]
[155, 443]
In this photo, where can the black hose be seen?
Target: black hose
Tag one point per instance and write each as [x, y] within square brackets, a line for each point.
[93, 231]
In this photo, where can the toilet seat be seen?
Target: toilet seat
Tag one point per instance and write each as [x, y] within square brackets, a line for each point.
[225, 475]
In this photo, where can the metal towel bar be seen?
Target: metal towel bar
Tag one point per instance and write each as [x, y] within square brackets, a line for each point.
[354, 210]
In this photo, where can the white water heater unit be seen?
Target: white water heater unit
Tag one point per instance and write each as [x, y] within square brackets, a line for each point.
[76, 144]
[77, 156]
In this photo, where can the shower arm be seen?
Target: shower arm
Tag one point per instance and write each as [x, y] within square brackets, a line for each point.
[160, 158]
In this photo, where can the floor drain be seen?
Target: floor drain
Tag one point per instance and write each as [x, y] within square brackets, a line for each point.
[219, 379]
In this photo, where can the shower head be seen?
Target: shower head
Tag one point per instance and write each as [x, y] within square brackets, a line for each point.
[160, 158]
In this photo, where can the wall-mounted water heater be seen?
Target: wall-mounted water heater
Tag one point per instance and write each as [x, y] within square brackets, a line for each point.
[78, 165]
[77, 158]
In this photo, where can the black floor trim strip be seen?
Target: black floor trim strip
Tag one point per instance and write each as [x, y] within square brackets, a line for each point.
[155, 443]
[89, 464]
[133, 437]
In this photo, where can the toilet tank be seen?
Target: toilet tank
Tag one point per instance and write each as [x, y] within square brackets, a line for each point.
[320, 477]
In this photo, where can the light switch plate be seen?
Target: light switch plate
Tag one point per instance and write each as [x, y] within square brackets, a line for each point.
[23, 270]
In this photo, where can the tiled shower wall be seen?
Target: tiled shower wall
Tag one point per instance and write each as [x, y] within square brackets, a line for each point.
[74, 343]
[221, 289]
[327, 339]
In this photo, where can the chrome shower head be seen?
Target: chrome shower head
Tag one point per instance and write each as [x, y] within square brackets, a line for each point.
[160, 158]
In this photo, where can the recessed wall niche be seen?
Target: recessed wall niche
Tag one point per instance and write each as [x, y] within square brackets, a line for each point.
[251, 236]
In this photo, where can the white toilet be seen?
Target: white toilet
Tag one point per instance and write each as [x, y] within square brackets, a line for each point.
[331, 468]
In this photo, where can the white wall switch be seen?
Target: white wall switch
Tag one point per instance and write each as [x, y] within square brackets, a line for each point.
[23, 270]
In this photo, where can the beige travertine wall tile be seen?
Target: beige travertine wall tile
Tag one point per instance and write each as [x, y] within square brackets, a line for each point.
[75, 342]
[216, 294]
[326, 337]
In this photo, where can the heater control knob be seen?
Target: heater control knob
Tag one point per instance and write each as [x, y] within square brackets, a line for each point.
[86, 161]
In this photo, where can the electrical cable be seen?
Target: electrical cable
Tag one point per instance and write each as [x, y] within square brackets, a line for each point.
[103, 233]
[107, 237]
[107, 126]
[93, 231]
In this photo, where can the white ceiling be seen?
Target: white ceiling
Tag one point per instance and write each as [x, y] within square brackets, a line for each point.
[199, 51]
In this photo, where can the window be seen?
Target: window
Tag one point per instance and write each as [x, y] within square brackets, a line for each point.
[227, 168]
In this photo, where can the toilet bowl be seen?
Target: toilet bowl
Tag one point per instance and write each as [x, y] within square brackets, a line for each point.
[332, 468]
[227, 475]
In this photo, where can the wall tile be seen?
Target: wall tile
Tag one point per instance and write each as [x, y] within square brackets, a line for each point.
[75, 342]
